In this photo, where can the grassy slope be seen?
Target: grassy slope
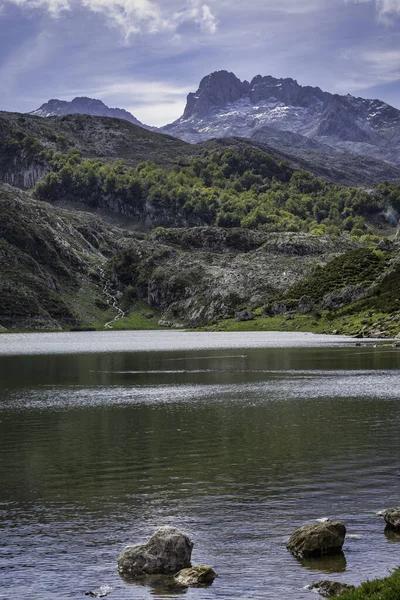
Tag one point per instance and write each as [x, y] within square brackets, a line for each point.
[379, 589]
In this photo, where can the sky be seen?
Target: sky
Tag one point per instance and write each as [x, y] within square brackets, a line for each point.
[147, 55]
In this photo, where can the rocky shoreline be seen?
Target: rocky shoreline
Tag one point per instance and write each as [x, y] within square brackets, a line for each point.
[165, 559]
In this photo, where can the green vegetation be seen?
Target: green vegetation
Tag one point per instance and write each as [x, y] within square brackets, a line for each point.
[21, 148]
[324, 322]
[379, 589]
[360, 266]
[241, 187]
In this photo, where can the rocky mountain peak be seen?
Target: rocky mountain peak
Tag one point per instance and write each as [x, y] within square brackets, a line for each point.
[224, 106]
[85, 106]
[215, 91]
[222, 88]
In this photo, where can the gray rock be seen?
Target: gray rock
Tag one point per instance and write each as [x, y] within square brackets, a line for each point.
[306, 305]
[385, 245]
[316, 540]
[347, 295]
[278, 308]
[330, 589]
[102, 592]
[392, 518]
[167, 552]
[196, 576]
[244, 315]
[168, 324]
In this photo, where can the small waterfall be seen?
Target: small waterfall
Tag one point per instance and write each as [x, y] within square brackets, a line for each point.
[111, 299]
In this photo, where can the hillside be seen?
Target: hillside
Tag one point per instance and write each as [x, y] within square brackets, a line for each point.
[204, 232]
[55, 264]
[25, 140]
[61, 269]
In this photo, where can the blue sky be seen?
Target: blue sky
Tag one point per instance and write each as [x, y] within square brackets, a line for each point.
[146, 55]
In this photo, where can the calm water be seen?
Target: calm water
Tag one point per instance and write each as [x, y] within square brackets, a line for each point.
[235, 438]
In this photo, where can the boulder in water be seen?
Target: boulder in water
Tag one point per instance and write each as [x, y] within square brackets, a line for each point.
[330, 589]
[316, 540]
[196, 576]
[392, 518]
[167, 552]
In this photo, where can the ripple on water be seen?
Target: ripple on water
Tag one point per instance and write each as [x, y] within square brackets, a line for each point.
[238, 452]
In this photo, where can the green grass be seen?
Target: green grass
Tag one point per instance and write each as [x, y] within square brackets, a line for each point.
[134, 320]
[379, 589]
[324, 322]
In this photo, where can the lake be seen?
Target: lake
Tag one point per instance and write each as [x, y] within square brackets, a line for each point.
[235, 438]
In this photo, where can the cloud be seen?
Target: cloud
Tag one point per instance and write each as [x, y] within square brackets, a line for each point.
[54, 7]
[131, 16]
[386, 10]
[156, 102]
[202, 15]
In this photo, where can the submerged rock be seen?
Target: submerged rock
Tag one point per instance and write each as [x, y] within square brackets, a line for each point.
[196, 576]
[102, 592]
[392, 518]
[330, 589]
[316, 540]
[167, 552]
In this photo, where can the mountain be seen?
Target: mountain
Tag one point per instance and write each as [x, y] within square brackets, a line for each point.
[84, 106]
[225, 106]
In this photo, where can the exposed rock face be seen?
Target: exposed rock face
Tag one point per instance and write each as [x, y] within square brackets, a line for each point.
[306, 305]
[216, 279]
[196, 576]
[330, 589]
[83, 106]
[225, 106]
[168, 551]
[338, 298]
[339, 121]
[215, 91]
[392, 518]
[316, 540]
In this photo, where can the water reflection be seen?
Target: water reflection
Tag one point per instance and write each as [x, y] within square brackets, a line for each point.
[335, 563]
[159, 585]
[392, 535]
[237, 448]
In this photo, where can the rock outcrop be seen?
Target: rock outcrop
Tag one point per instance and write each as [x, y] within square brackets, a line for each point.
[392, 518]
[317, 540]
[167, 552]
[196, 576]
[330, 589]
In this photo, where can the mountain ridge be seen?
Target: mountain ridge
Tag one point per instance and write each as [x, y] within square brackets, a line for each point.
[225, 106]
[86, 106]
